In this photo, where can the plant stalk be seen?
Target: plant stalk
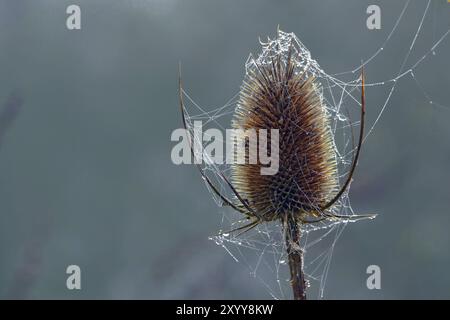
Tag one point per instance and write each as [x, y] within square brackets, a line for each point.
[295, 257]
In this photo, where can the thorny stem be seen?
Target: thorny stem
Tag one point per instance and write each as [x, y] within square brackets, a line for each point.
[295, 257]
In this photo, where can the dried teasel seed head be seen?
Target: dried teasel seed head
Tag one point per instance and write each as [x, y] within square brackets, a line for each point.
[277, 93]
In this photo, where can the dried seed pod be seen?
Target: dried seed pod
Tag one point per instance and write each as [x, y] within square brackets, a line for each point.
[279, 95]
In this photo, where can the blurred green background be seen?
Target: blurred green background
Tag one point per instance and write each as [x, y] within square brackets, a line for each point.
[85, 171]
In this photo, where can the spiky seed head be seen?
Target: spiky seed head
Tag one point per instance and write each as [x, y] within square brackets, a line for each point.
[279, 94]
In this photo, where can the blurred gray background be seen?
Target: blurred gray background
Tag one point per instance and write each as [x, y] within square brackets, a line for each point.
[85, 171]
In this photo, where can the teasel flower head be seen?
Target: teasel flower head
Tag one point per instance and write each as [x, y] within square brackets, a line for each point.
[278, 93]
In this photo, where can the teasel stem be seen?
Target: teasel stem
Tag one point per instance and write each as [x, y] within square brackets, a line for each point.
[295, 257]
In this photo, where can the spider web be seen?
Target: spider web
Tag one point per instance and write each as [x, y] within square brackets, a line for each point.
[262, 249]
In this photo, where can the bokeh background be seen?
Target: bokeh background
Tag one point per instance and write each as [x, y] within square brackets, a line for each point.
[85, 171]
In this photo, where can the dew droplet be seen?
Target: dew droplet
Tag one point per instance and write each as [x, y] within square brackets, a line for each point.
[307, 283]
[341, 117]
